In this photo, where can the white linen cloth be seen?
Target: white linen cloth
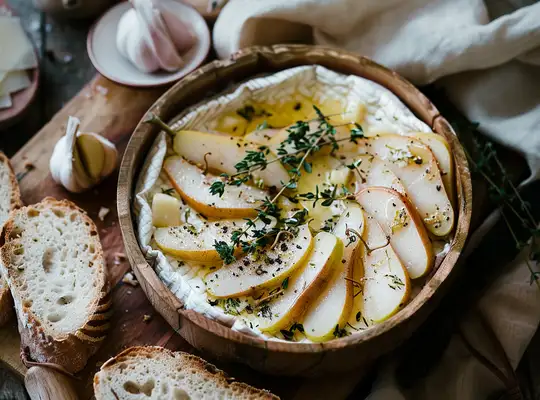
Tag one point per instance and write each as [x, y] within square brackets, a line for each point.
[486, 55]
[423, 40]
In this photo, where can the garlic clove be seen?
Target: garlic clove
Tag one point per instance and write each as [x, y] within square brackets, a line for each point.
[110, 154]
[140, 55]
[81, 160]
[181, 36]
[158, 37]
[65, 164]
[153, 37]
[92, 154]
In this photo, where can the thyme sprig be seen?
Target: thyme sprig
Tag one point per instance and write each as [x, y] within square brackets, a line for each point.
[507, 196]
[304, 141]
[326, 196]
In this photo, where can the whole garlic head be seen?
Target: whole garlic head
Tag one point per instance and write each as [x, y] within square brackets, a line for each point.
[152, 36]
[81, 160]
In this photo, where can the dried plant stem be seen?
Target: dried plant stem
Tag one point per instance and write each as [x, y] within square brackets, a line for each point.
[517, 243]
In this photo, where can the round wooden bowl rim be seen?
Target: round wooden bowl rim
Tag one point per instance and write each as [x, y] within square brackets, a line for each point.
[464, 201]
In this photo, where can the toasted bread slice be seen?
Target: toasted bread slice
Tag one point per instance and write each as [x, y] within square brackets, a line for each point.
[158, 373]
[10, 199]
[54, 265]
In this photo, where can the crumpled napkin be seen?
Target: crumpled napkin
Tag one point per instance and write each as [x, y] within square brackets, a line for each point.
[486, 56]
[488, 63]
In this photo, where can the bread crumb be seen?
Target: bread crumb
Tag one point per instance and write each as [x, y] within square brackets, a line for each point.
[129, 292]
[119, 258]
[146, 318]
[103, 211]
[130, 279]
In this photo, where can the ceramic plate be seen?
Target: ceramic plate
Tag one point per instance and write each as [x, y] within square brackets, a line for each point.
[101, 45]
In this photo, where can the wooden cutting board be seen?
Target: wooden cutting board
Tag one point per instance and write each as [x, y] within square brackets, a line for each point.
[113, 111]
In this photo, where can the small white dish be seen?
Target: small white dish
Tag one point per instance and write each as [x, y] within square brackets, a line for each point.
[101, 46]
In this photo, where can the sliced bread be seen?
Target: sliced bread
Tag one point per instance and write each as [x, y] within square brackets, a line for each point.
[54, 265]
[10, 199]
[158, 373]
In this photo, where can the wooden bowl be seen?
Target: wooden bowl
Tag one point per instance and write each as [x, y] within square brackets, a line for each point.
[306, 359]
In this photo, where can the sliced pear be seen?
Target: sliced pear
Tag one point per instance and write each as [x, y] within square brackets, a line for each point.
[197, 243]
[401, 224]
[194, 187]
[370, 170]
[92, 154]
[323, 167]
[330, 311]
[222, 153]
[385, 286]
[304, 284]
[442, 152]
[263, 269]
[165, 210]
[414, 164]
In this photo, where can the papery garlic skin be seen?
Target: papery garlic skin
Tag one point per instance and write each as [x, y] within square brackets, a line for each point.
[152, 37]
[71, 158]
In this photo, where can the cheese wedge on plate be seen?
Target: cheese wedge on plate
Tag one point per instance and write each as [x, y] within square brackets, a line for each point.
[384, 287]
[401, 224]
[196, 243]
[304, 284]
[5, 101]
[222, 153]
[263, 269]
[327, 315]
[194, 187]
[15, 47]
[13, 82]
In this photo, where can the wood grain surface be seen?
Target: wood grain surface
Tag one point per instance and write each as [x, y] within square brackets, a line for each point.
[113, 111]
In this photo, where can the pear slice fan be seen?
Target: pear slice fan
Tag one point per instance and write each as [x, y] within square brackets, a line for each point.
[384, 284]
[328, 314]
[304, 284]
[262, 269]
[194, 187]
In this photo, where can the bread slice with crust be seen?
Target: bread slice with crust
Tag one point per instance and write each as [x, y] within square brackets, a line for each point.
[54, 265]
[10, 199]
[157, 373]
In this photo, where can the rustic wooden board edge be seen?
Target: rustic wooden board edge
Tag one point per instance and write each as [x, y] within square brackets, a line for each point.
[269, 356]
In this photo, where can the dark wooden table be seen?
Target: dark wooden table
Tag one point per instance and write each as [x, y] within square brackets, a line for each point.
[66, 68]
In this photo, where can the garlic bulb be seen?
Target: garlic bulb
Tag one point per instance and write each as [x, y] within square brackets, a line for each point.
[152, 36]
[81, 160]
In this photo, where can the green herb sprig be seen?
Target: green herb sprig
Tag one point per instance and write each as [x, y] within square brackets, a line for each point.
[304, 141]
[507, 196]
